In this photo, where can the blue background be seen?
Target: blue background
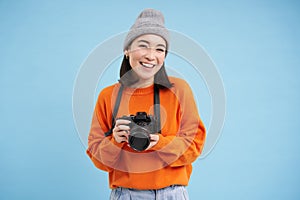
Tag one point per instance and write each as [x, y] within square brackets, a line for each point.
[255, 45]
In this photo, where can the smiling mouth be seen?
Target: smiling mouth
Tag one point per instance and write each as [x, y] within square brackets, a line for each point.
[147, 65]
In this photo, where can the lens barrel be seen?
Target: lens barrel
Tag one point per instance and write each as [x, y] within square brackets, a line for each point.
[139, 138]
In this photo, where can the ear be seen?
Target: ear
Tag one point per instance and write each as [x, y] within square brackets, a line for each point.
[126, 53]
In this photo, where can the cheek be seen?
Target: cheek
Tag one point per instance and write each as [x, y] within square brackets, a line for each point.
[134, 58]
[161, 59]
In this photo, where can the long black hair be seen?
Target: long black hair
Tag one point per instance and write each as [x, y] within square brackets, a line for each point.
[128, 77]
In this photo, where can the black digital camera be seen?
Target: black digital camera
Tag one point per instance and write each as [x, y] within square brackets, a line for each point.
[141, 126]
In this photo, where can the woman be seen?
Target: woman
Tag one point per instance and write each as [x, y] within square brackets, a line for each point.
[146, 130]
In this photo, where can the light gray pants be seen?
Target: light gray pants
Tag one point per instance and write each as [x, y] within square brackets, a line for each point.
[174, 192]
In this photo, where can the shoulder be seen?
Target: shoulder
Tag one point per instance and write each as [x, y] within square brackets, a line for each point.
[181, 87]
[109, 91]
[179, 83]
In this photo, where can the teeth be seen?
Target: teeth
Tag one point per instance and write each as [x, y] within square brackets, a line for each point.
[148, 65]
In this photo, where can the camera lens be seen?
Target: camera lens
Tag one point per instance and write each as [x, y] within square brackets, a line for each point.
[139, 139]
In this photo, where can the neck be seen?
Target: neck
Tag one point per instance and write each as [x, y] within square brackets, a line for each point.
[142, 84]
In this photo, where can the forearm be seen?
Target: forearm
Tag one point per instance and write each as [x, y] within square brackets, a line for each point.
[182, 149]
[103, 151]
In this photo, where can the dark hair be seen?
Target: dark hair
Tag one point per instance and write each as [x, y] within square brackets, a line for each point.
[129, 77]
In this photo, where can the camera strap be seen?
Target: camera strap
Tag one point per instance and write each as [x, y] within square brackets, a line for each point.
[116, 108]
[156, 109]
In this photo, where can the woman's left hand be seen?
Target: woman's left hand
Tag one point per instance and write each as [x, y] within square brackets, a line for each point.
[154, 138]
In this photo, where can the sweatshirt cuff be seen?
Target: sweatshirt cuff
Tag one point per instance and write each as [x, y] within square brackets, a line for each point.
[120, 145]
[162, 142]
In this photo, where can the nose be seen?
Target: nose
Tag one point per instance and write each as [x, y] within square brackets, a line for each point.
[150, 54]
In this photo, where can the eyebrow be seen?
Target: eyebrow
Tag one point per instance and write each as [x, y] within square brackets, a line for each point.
[162, 45]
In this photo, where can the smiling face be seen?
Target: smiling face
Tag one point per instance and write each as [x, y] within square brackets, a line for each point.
[146, 56]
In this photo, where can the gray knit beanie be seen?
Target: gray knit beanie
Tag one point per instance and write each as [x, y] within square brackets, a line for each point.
[150, 21]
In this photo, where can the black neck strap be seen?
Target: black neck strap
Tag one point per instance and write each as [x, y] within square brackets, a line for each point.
[156, 109]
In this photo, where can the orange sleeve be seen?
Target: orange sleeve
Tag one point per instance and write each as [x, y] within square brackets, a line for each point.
[103, 151]
[188, 143]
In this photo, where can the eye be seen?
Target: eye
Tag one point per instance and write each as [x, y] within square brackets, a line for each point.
[143, 46]
[160, 50]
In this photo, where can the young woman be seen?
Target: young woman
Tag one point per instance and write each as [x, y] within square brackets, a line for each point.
[146, 130]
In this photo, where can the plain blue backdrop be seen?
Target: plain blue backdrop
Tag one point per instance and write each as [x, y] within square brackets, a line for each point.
[254, 44]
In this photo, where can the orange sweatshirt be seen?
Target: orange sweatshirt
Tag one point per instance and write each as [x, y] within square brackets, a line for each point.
[169, 161]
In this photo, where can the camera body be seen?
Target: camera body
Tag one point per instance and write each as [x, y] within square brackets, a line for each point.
[141, 126]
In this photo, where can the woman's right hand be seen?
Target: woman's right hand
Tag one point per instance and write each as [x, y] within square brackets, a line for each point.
[121, 130]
